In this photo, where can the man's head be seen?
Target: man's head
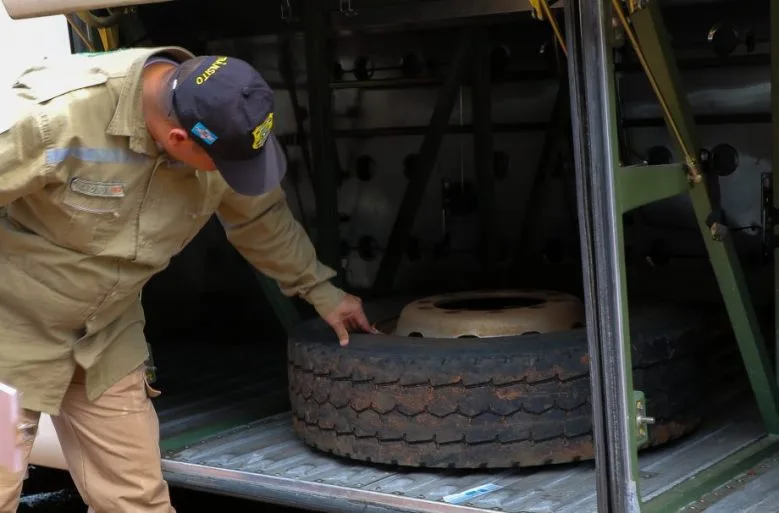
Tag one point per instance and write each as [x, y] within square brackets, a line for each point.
[217, 113]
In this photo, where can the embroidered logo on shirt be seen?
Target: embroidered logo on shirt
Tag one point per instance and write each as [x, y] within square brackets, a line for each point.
[97, 189]
[204, 133]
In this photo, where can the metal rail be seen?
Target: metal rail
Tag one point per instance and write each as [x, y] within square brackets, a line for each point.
[600, 228]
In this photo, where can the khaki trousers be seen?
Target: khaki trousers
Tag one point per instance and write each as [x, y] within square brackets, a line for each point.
[111, 447]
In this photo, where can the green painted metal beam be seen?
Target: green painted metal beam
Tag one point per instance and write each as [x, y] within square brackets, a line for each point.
[654, 43]
[641, 184]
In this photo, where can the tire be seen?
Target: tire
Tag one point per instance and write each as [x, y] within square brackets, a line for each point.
[481, 403]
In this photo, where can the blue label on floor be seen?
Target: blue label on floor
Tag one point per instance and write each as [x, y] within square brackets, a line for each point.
[460, 497]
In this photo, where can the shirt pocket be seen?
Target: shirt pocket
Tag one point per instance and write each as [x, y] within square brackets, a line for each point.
[96, 211]
[184, 203]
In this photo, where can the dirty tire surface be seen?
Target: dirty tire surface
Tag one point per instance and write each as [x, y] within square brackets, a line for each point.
[468, 403]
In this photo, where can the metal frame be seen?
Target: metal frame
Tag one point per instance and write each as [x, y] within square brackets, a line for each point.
[428, 155]
[606, 189]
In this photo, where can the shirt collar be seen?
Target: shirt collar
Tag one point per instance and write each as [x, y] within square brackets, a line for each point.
[128, 119]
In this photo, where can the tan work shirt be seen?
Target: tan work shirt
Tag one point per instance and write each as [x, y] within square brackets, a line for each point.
[94, 210]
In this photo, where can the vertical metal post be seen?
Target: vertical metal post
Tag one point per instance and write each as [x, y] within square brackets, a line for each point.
[590, 65]
[775, 163]
[323, 151]
[481, 101]
[428, 156]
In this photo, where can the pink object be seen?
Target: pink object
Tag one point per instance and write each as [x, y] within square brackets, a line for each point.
[10, 452]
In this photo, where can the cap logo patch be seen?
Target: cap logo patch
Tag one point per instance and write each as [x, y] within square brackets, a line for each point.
[204, 133]
[215, 66]
[261, 132]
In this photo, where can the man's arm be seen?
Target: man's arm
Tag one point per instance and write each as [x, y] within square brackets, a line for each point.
[266, 233]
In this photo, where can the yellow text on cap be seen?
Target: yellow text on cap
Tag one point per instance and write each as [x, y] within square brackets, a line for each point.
[211, 70]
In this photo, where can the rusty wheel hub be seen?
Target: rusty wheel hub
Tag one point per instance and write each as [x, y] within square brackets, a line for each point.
[490, 314]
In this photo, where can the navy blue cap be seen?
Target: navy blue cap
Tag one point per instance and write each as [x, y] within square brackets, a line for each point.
[228, 109]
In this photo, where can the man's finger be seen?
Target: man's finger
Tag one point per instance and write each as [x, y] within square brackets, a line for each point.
[362, 322]
[342, 333]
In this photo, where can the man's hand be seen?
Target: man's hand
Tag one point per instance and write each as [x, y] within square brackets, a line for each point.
[349, 316]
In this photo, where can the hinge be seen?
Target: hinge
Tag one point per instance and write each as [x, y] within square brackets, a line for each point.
[642, 421]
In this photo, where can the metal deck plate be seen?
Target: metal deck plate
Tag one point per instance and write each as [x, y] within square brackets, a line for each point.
[264, 460]
[755, 491]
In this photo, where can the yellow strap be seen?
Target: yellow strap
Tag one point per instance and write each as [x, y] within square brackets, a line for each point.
[109, 37]
[536, 5]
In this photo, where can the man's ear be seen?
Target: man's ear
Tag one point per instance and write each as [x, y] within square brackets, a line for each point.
[177, 136]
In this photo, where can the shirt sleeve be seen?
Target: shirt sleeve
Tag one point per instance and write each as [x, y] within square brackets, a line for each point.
[23, 166]
[266, 233]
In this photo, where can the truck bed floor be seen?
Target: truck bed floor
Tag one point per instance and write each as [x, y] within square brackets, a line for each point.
[264, 460]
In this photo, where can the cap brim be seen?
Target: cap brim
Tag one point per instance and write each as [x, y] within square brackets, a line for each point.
[258, 175]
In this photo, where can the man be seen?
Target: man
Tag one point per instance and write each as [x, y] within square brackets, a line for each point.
[109, 165]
